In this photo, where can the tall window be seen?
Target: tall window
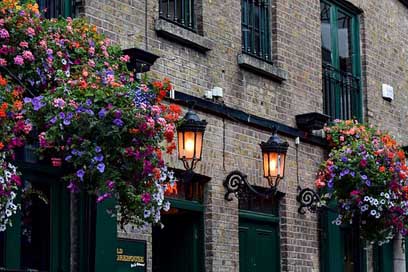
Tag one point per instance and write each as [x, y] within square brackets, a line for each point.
[256, 38]
[56, 8]
[180, 12]
[341, 62]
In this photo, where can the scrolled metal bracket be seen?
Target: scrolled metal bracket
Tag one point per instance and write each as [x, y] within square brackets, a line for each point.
[309, 200]
[237, 184]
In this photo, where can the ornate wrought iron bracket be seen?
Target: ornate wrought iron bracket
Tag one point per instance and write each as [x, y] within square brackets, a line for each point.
[237, 183]
[309, 200]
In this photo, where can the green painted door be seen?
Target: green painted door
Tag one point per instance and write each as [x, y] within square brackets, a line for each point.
[258, 246]
[383, 257]
[178, 246]
[336, 247]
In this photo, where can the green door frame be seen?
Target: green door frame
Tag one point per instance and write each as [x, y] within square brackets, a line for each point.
[59, 213]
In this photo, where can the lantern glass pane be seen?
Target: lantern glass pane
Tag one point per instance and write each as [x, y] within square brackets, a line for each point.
[180, 141]
[282, 158]
[265, 164]
[189, 144]
[273, 164]
[198, 145]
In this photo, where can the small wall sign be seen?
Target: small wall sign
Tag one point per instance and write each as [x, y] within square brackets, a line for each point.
[131, 255]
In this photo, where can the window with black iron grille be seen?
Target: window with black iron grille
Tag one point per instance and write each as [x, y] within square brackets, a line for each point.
[256, 37]
[56, 8]
[180, 12]
[342, 94]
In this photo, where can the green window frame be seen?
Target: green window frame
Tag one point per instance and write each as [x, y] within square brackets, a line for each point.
[255, 26]
[341, 62]
[56, 8]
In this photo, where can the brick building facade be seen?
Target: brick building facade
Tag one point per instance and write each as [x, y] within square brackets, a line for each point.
[289, 85]
[202, 50]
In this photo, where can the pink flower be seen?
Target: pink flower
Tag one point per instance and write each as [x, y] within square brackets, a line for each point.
[342, 138]
[146, 198]
[125, 58]
[28, 55]
[91, 63]
[43, 44]
[1, 22]
[4, 34]
[18, 60]
[3, 62]
[30, 32]
[59, 103]
[23, 44]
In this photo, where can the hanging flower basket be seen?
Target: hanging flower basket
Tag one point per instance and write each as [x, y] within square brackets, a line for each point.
[366, 176]
[72, 84]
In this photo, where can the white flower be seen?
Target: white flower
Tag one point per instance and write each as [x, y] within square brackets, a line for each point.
[373, 212]
[8, 213]
[366, 199]
[375, 202]
[166, 206]
[146, 213]
[1, 180]
[386, 195]
[64, 62]
[2, 227]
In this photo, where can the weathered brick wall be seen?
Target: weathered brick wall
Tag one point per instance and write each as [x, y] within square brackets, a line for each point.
[230, 145]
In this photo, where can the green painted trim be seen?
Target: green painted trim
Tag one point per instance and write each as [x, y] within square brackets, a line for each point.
[186, 204]
[12, 242]
[105, 237]
[269, 218]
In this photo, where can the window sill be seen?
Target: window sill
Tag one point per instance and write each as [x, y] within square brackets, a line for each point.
[262, 67]
[181, 35]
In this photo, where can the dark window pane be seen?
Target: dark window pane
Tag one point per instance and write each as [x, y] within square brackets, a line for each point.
[326, 32]
[35, 229]
[255, 28]
[344, 37]
[56, 8]
[178, 11]
[261, 204]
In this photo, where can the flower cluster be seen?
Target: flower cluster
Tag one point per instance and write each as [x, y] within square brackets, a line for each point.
[72, 84]
[367, 177]
[9, 183]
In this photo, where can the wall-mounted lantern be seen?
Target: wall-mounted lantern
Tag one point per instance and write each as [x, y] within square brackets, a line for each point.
[190, 135]
[273, 158]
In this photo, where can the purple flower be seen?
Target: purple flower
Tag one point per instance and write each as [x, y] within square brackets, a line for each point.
[344, 172]
[27, 100]
[103, 197]
[146, 198]
[98, 158]
[98, 149]
[53, 120]
[37, 103]
[72, 187]
[101, 167]
[90, 112]
[70, 115]
[61, 115]
[344, 159]
[368, 182]
[118, 114]
[363, 177]
[80, 174]
[102, 113]
[66, 122]
[68, 158]
[88, 102]
[118, 122]
[110, 184]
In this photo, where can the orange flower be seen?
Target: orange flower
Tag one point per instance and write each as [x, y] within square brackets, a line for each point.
[381, 169]
[170, 147]
[1, 145]
[171, 189]
[405, 189]
[3, 81]
[175, 108]
[401, 154]
[133, 131]
[18, 105]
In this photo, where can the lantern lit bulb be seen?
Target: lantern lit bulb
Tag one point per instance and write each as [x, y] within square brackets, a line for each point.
[189, 146]
[272, 166]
